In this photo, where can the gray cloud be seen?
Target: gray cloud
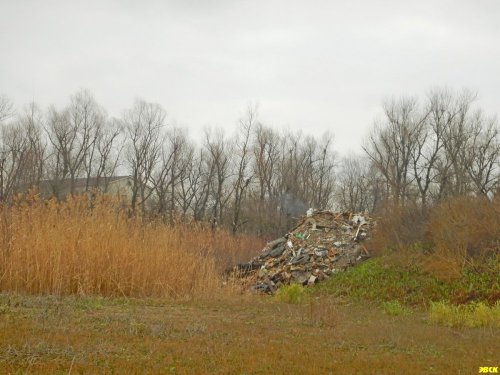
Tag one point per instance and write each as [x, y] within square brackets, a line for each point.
[316, 66]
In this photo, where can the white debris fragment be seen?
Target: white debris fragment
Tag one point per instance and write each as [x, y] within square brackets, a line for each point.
[358, 219]
[311, 280]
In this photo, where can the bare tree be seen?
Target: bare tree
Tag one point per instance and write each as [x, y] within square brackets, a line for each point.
[31, 122]
[265, 156]
[109, 149]
[257, 177]
[172, 165]
[242, 152]
[73, 134]
[21, 153]
[144, 124]
[294, 176]
[6, 108]
[430, 142]
[353, 184]
[200, 180]
[482, 155]
[61, 138]
[13, 150]
[394, 144]
[453, 176]
[218, 158]
[190, 180]
[451, 148]
[323, 181]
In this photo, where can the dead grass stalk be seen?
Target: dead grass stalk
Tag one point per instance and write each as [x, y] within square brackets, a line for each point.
[89, 246]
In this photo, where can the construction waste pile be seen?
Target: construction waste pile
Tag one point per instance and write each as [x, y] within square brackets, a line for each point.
[322, 243]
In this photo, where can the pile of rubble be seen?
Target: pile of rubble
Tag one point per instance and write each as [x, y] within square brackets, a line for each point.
[323, 242]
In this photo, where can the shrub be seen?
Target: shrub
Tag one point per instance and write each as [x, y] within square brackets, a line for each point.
[464, 231]
[399, 228]
[446, 239]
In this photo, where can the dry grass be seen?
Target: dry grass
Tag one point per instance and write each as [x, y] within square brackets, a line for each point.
[231, 335]
[464, 232]
[93, 247]
[446, 239]
[398, 227]
[87, 248]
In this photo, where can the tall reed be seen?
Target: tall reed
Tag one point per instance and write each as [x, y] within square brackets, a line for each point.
[90, 246]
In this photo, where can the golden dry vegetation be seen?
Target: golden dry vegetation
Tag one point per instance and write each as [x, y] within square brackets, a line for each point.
[86, 287]
[456, 235]
[86, 246]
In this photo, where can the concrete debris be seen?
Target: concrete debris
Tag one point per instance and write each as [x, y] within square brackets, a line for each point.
[322, 243]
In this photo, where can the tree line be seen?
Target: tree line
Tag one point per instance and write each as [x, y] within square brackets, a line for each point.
[258, 178]
[441, 147]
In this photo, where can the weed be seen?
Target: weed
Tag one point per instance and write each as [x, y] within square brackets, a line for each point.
[471, 315]
[139, 329]
[293, 293]
[395, 308]
[383, 281]
[4, 309]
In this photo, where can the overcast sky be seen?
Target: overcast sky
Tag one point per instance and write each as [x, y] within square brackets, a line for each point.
[311, 65]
